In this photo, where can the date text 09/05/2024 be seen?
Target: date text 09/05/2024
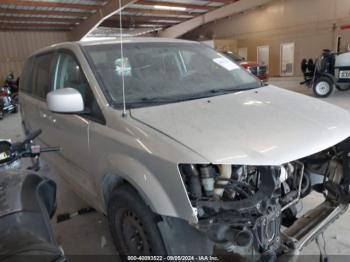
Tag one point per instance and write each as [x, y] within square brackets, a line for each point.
[172, 258]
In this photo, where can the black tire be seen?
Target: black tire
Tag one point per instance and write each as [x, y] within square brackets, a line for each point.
[323, 87]
[133, 225]
[15, 99]
[303, 66]
[311, 65]
[340, 88]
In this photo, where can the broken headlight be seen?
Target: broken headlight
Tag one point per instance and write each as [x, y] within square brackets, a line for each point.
[237, 206]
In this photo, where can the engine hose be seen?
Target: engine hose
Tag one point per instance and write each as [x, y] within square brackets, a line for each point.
[269, 183]
[243, 188]
[239, 190]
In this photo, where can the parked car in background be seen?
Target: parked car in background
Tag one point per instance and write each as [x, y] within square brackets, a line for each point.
[193, 152]
[260, 71]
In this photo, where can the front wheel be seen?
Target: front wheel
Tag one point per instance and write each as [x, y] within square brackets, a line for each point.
[133, 225]
[15, 110]
[323, 87]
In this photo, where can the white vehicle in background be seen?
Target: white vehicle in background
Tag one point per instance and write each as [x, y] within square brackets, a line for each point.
[203, 155]
[329, 70]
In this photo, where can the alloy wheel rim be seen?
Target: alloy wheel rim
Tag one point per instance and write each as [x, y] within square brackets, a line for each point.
[322, 88]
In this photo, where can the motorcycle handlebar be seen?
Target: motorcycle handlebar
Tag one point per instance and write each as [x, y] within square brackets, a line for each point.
[50, 149]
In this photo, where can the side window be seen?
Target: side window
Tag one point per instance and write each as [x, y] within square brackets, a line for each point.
[26, 76]
[69, 74]
[41, 77]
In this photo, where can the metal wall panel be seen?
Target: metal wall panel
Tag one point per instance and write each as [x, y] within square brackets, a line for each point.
[311, 25]
[15, 47]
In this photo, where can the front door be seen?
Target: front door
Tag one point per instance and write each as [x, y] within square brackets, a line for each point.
[71, 131]
[38, 84]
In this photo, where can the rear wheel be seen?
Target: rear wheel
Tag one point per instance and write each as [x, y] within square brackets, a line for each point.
[323, 87]
[133, 225]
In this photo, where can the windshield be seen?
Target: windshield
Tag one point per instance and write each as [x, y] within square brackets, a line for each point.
[157, 73]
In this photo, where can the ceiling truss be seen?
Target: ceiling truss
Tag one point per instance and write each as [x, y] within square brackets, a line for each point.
[68, 15]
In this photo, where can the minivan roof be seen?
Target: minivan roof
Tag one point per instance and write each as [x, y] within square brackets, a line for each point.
[126, 40]
[135, 40]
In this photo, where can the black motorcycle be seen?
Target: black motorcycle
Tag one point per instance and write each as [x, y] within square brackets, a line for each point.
[12, 84]
[7, 104]
[27, 202]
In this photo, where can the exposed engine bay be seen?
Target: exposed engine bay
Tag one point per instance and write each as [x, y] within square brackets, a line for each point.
[252, 210]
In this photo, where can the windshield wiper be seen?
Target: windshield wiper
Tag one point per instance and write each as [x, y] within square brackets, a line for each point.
[225, 90]
[146, 101]
[221, 91]
[151, 100]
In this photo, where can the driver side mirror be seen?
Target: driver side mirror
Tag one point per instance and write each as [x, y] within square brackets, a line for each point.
[65, 100]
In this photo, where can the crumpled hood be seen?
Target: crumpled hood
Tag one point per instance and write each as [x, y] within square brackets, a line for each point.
[265, 126]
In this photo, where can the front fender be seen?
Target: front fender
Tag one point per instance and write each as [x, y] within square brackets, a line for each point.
[160, 186]
[330, 76]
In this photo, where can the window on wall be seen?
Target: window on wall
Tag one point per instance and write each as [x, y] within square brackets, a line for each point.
[243, 52]
[287, 59]
[263, 53]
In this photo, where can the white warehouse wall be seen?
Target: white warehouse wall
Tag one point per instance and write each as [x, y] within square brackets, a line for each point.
[16, 46]
[311, 24]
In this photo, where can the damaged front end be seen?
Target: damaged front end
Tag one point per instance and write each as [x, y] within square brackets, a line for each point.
[242, 208]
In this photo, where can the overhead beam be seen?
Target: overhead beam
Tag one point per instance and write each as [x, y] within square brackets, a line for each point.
[40, 19]
[222, 12]
[147, 18]
[172, 4]
[34, 25]
[115, 24]
[31, 29]
[134, 24]
[95, 19]
[51, 4]
[158, 12]
[42, 12]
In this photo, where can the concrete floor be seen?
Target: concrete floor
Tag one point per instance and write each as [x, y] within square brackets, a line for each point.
[89, 235]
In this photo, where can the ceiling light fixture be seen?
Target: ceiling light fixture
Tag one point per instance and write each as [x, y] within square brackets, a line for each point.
[174, 8]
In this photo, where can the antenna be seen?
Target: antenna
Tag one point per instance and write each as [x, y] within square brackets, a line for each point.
[124, 114]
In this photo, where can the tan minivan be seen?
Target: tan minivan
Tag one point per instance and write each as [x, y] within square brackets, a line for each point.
[183, 149]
